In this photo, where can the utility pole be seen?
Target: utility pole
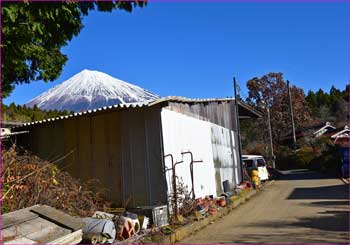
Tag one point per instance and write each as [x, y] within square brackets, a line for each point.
[238, 127]
[270, 132]
[292, 116]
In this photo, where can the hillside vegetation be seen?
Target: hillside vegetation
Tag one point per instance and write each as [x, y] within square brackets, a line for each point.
[315, 108]
[331, 107]
[18, 113]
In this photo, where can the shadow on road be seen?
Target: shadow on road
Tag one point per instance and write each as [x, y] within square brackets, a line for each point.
[328, 221]
[322, 192]
[303, 174]
[331, 221]
[328, 203]
[290, 238]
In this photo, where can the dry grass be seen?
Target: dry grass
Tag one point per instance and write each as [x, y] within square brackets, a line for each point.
[28, 180]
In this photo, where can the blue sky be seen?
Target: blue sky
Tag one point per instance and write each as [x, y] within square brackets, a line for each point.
[194, 49]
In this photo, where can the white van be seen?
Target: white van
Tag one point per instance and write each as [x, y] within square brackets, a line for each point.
[256, 162]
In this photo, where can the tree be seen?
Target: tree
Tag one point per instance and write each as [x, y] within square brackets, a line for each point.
[271, 90]
[341, 112]
[20, 113]
[331, 107]
[33, 34]
[346, 93]
[325, 114]
[311, 99]
[322, 98]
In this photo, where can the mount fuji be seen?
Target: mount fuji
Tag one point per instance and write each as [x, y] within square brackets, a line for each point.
[90, 90]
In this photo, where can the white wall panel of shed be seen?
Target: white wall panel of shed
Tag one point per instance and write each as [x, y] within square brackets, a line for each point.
[224, 156]
[216, 145]
[218, 113]
[184, 133]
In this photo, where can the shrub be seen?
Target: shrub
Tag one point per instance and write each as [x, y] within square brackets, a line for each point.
[288, 159]
[304, 156]
[28, 180]
[328, 162]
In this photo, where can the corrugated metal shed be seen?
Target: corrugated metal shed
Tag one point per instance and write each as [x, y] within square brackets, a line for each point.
[122, 145]
[116, 145]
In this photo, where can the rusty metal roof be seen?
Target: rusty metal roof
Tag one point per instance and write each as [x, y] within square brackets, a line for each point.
[143, 104]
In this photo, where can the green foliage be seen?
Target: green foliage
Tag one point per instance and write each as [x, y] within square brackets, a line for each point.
[33, 34]
[328, 162]
[287, 159]
[330, 106]
[322, 144]
[311, 98]
[322, 156]
[303, 157]
[26, 114]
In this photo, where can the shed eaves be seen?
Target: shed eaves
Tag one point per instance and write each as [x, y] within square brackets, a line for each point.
[104, 108]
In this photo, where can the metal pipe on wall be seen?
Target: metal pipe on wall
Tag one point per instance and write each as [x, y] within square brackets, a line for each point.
[173, 165]
[191, 171]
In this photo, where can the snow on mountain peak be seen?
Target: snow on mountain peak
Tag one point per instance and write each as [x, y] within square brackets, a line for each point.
[90, 90]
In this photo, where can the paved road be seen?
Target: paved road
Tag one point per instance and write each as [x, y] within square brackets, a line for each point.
[301, 207]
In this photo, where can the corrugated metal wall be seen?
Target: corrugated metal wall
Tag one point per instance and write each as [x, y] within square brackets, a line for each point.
[219, 112]
[142, 157]
[224, 156]
[123, 149]
[220, 150]
[183, 133]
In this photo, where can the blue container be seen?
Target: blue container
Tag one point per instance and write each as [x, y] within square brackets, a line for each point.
[345, 161]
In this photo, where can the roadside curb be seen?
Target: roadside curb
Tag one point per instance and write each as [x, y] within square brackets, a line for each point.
[345, 181]
[189, 229]
[269, 183]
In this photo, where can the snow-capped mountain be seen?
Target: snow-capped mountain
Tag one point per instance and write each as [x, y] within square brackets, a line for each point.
[90, 90]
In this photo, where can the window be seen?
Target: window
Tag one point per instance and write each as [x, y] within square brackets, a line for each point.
[248, 163]
[261, 162]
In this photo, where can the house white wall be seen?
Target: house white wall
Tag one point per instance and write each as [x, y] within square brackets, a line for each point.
[208, 142]
[225, 155]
